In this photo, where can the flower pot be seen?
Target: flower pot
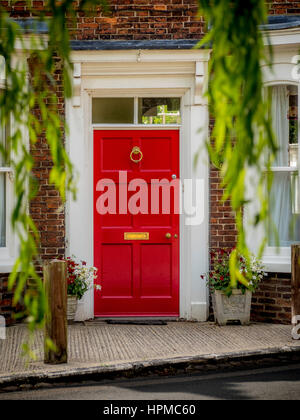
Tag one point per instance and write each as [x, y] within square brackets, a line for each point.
[71, 307]
[236, 307]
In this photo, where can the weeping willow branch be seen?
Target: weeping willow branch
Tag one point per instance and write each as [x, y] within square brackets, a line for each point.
[242, 139]
[28, 100]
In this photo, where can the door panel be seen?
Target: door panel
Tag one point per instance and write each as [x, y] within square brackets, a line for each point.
[156, 279]
[115, 162]
[117, 278]
[138, 277]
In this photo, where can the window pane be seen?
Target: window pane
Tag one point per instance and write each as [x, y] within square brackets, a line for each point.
[284, 210]
[280, 120]
[3, 134]
[113, 111]
[293, 126]
[2, 211]
[284, 204]
[159, 111]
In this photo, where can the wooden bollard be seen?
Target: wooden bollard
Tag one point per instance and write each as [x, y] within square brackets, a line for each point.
[55, 282]
[295, 282]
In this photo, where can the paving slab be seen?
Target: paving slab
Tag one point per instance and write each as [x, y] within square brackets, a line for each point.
[98, 347]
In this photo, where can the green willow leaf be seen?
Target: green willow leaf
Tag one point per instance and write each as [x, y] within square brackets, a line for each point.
[32, 105]
[242, 134]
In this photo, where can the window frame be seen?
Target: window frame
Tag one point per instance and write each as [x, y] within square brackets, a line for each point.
[275, 259]
[9, 252]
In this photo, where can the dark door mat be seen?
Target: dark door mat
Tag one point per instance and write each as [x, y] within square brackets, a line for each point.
[128, 322]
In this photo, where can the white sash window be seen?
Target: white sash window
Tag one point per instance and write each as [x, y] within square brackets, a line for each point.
[2, 210]
[285, 212]
[7, 238]
[4, 170]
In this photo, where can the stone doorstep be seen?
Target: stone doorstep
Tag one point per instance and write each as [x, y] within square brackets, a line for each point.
[176, 365]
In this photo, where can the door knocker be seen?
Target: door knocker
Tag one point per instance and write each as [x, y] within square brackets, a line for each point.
[136, 151]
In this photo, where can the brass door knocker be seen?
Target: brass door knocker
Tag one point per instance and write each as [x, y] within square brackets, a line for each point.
[136, 151]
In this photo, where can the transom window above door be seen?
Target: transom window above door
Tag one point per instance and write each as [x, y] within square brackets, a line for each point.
[139, 111]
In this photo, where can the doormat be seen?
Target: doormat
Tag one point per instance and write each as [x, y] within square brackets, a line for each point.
[128, 322]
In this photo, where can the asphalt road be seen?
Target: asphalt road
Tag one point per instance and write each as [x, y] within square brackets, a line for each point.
[278, 383]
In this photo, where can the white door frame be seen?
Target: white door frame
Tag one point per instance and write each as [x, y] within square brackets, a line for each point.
[146, 73]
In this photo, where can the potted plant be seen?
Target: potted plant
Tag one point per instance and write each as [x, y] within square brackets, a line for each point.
[80, 278]
[232, 304]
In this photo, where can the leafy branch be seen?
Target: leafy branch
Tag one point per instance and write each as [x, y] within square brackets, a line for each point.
[29, 101]
[242, 139]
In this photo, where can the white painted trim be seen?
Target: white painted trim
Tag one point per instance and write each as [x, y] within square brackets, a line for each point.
[141, 56]
[132, 78]
[8, 254]
[136, 127]
[277, 260]
[284, 169]
[283, 37]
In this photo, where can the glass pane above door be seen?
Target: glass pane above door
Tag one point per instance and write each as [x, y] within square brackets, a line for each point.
[159, 111]
[113, 111]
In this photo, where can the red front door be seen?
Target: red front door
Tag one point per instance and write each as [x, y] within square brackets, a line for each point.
[137, 254]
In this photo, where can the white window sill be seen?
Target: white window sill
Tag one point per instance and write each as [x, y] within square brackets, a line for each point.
[277, 264]
[6, 266]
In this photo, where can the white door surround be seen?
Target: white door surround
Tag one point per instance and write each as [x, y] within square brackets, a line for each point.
[157, 73]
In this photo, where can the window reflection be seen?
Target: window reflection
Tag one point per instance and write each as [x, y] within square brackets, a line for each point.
[159, 111]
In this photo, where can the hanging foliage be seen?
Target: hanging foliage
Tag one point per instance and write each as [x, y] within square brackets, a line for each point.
[30, 105]
[242, 141]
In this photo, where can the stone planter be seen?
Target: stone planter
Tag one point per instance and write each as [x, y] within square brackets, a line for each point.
[237, 307]
[71, 307]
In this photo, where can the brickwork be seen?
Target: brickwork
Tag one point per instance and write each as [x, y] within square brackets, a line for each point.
[140, 19]
[6, 305]
[47, 209]
[272, 300]
[143, 19]
[133, 20]
[284, 7]
[223, 232]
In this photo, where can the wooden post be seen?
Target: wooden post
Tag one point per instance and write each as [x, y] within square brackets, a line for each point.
[55, 282]
[295, 281]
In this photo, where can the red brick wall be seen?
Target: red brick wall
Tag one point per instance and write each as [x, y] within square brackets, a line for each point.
[131, 19]
[6, 306]
[47, 209]
[142, 19]
[272, 301]
[284, 7]
[223, 232]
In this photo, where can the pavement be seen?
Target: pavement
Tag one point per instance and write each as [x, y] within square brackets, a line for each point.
[101, 349]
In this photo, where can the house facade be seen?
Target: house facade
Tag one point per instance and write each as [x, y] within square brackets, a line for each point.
[137, 118]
